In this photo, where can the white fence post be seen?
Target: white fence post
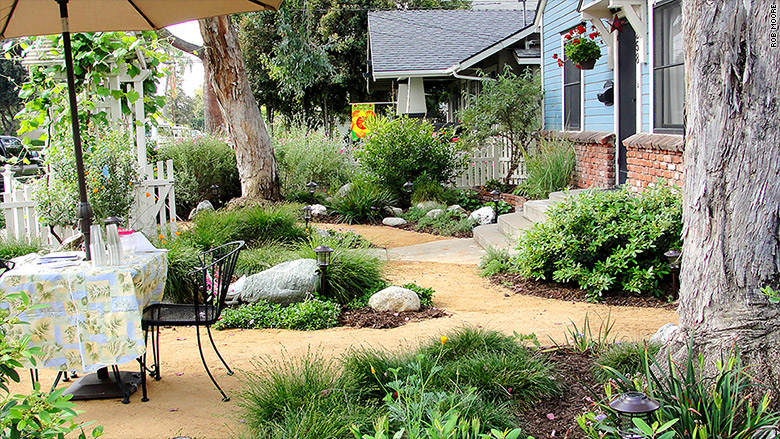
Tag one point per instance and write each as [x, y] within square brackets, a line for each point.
[489, 162]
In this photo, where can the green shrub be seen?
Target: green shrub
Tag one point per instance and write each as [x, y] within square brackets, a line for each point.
[549, 168]
[111, 176]
[303, 156]
[182, 261]
[256, 224]
[199, 164]
[467, 199]
[495, 261]
[425, 294]
[309, 315]
[11, 247]
[628, 358]
[446, 224]
[365, 201]
[425, 189]
[415, 214]
[405, 149]
[605, 240]
[256, 259]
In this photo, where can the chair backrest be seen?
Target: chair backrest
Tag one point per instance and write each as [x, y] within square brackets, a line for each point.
[215, 275]
[5, 266]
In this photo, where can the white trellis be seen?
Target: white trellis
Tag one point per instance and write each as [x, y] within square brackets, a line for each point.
[490, 162]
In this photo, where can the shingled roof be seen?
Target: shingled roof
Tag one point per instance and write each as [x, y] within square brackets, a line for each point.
[435, 40]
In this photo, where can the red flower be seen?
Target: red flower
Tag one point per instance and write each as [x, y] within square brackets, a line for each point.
[560, 63]
[593, 35]
[578, 66]
[567, 36]
[555, 56]
[581, 29]
[576, 41]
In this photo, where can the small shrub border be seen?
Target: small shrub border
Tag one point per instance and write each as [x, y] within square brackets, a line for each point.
[309, 315]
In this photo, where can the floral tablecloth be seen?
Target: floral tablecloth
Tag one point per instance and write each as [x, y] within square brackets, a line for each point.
[92, 315]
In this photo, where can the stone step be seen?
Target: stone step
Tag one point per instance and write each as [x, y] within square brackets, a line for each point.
[535, 210]
[511, 224]
[562, 195]
[489, 236]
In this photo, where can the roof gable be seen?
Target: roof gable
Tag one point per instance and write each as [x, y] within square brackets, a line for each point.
[435, 40]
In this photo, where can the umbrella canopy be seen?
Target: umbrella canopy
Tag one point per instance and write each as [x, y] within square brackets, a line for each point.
[44, 17]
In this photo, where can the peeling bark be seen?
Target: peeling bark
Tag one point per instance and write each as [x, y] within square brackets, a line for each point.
[731, 197]
[245, 126]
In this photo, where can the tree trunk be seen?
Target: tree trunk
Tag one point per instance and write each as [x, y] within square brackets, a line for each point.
[254, 153]
[731, 197]
[213, 121]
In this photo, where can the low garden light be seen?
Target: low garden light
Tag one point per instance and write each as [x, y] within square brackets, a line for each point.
[311, 186]
[113, 220]
[307, 215]
[630, 406]
[323, 253]
[674, 264]
[496, 198]
[408, 187]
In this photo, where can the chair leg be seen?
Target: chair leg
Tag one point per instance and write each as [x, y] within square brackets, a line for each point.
[142, 360]
[154, 371]
[118, 379]
[225, 398]
[34, 377]
[213, 345]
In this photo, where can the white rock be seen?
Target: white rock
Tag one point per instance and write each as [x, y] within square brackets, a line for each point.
[664, 334]
[483, 215]
[202, 206]
[393, 221]
[393, 211]
[427, 205]
[395, 299]
[318, 210]
[457, 209]
[286, 283]
[435, 213]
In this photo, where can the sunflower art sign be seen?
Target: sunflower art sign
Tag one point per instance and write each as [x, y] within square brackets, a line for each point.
[360, 112]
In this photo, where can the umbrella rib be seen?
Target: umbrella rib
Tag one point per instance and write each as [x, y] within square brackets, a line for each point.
[258, 3]
[8, 19]
[137, 9]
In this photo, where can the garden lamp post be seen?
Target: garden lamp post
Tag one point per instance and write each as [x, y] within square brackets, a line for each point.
[323, 253]
[215, 193]
[311, 186]
[496, 196]
[630, 406]
[307, 216]
[408, 189]
[674, 264]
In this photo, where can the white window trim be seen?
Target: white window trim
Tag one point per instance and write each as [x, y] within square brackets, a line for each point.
[563, 95]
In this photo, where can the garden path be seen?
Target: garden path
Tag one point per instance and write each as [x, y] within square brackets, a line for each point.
[185, 403]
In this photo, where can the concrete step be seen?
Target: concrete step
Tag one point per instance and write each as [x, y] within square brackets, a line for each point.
[562, 195]
[535, 210]
[489, 236]
[511, 224]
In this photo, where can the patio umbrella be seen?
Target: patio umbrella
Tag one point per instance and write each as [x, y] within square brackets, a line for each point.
[45, 17]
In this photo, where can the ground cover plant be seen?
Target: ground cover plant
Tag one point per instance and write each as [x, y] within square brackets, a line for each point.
[471, 374]
[605, 240]
[309, 315]
[364, 201]
[449, 223]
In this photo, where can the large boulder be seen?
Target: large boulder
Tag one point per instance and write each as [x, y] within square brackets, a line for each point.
[395, 299]
[393, 221]
[318, 210]
[434, 213]
[483, 215]
[201, 207]
[286, 283]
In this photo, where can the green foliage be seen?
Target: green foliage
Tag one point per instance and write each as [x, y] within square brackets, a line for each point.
[201, 163]
[726, 403]
[549, 169]
[628, 358]
[98, 55]
[39, 414]
[309, 315]
[605, 240]
[11, 247]
[256, 259]
[582, 339]
[772, 295]
[501, 207]
[303, 156]
[365, 201]
[447, 224]
[256, 224]
[111, 176]
[495, 261]
[425, 294]
[12, 73]
[492, 185]
[415, 214]
[508, 107]
[580, 46]
[467, 199]
[406, 149]
[182, 261]
[425, 189]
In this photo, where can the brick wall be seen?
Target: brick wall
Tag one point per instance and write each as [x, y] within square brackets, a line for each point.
[653, 156]
[595, 151]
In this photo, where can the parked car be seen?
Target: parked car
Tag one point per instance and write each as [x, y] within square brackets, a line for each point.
[24, 163]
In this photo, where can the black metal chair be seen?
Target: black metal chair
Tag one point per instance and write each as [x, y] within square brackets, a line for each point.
[212, 280]
[5, 266]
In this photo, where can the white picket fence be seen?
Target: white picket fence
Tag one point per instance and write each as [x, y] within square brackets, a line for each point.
[154, 210]
[491, 162]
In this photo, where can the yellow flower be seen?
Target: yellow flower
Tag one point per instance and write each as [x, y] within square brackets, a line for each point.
[443, 339]
[94, 190]
[102, 187]
[373, 371]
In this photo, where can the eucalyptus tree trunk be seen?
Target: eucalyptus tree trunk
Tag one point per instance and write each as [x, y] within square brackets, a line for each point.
[245, 126]
[732, 185]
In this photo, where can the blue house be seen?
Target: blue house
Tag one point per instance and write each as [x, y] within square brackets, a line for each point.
[625, 115]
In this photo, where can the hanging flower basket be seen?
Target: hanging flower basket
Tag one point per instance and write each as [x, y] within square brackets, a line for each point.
[580, 48]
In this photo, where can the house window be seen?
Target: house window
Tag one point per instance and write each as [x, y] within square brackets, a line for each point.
[668, 71]
[572, 96]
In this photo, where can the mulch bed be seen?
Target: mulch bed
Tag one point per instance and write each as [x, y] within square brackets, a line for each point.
[557, 417]
[368, 318]
[553, 290]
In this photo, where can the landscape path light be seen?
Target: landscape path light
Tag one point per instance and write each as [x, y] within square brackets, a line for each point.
[323, 253]
[307, 215]
[630, 406]
[674, 264]
[311, 186]
[496, 197]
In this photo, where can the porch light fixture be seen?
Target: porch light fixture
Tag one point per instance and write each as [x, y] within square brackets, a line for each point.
[630, 406]
[323, 253]
[307, 215]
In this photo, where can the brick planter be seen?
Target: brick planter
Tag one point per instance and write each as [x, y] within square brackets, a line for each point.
[595, 152]
[653, 156]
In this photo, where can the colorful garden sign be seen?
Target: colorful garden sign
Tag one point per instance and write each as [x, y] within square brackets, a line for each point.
[359, 114]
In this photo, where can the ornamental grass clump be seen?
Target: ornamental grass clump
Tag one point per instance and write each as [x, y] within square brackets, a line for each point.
[605, 241]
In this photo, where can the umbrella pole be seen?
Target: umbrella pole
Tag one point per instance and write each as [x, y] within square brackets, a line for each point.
[84, 209]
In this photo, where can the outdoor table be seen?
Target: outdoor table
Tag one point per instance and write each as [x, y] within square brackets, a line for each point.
[92, 315]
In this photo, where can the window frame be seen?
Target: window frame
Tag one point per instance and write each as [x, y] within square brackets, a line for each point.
[659, 32]
[565, 110]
